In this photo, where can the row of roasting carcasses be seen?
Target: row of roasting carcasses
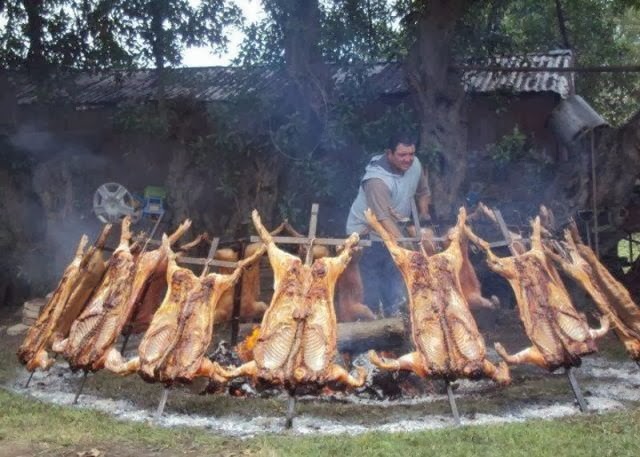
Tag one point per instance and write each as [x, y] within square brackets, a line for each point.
[97, 300]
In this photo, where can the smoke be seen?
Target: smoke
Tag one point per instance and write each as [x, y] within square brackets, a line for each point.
[55, 206]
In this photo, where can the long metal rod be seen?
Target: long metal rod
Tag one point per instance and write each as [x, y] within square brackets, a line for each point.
[313, 226]
[79, 392]
[126, 340]
[575, 387]
[162, 404]
[291, 409]
[153, 231]
[452, 403]
[29, 380]
[594, 201]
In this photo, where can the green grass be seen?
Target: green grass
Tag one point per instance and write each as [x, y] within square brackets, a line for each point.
[61, 429]
[30, 427]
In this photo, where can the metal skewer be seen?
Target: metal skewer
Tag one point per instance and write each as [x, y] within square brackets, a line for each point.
[291, 408]
[29, 380]
[163, 402]
[452, 403]
[84, 379]
[575, 387]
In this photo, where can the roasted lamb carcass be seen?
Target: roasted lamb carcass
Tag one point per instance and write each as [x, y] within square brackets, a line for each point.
[610, 296]
[163, 329]
[350, 293]
[96, 330]
[173, 348]
[154, 291]
[78, 347]
[224, 307]
[78, 282]
[187, 358]
[560, 335]
[444, 332]
[297, 339]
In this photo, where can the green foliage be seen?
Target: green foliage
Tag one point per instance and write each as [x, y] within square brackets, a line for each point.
[601, 32]
[140, 119]
[98, 34]
[509, 148]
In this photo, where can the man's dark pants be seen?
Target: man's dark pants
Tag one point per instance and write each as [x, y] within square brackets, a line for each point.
[381, 280]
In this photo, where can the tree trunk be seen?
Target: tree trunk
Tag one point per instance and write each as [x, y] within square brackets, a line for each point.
[258, 189]
[36, 62]
[439, 97]
[299, 21]
[562, 25]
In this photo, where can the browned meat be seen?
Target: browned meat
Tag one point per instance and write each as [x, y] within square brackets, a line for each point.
[350, 294]
[250, 307]
[444, 332]
[155, 289]
[78, 281]
[174, 348]
[610, 296]
[224, 308]
[80, 347]
[297, 340]
[560, 335]
[163, 329]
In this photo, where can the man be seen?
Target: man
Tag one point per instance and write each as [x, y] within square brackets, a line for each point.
[391, 181]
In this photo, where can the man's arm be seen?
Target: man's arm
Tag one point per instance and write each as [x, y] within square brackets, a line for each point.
[423, 197]
[379, 200]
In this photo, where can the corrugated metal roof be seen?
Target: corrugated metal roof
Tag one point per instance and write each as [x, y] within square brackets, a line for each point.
[212, 84]
[560, 83]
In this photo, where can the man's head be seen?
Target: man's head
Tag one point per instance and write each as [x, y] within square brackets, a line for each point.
[401, 150]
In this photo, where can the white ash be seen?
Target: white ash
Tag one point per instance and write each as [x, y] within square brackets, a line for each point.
[608, 386]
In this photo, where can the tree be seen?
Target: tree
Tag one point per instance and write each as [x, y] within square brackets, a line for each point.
[439, 96]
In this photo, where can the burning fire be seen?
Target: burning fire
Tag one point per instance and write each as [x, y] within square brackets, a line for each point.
[245, 348]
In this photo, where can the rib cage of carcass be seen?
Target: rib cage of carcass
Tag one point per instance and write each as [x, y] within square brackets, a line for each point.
[612, 299]
[95, 331]
[78, 282]
[297, 338]
[560, 335]
[444, 332]
[174, 347]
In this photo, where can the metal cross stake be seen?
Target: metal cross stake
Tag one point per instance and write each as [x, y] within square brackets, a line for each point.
[450, 396]
[309, 241]
[573, 382]
[205, 269]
